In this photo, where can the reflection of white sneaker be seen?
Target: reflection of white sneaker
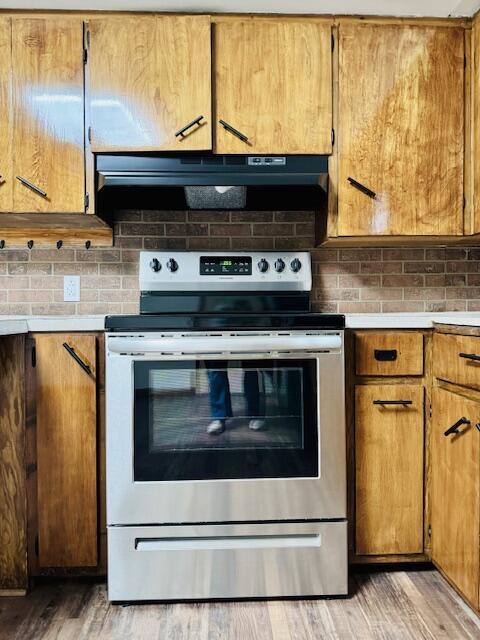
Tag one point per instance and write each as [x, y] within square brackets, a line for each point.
[257, 424]
[216, 426]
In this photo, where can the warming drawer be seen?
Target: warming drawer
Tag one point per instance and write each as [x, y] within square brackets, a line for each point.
[227, 561]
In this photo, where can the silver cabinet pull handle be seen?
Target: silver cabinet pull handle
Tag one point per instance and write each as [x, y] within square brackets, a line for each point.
[234, 131]
[32, 186]
[181, 132]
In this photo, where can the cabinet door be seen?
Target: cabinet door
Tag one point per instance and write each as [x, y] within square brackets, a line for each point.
[6, 129]
[48, 125]
[389, 469]
[455, 519]
[66, 450]
[401, 119]
[273, 84]
[148, 77]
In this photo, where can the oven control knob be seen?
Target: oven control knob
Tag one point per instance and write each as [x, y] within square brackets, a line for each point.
[263, 265]
[172, 265]
[279, 265]
[155, 265]
[295, 265]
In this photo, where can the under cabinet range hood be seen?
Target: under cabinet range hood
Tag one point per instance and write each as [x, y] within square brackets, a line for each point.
[211, 182]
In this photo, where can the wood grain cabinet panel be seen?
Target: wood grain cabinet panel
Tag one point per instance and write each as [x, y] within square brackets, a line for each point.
[148, 77]
[66, 451]
[388, 353]
[48, 114]
[473, 153]
[6, 129]
[273, 84]
[389, 469]
[13, 499]
[401, 130]
[455, 515]
[456, 359]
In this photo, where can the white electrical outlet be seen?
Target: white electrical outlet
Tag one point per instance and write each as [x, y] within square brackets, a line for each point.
[71, 288]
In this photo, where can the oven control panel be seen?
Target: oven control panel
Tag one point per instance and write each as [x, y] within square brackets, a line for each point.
[225, 271]
[225, 265]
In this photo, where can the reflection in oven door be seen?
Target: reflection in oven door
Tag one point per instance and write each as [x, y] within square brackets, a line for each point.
[209, 419]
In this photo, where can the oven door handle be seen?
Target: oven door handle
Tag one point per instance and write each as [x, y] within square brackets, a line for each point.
[219, 345]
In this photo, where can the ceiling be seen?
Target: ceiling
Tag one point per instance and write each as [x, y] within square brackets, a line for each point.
[433, 8]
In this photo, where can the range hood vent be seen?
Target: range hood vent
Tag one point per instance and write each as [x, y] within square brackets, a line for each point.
[210, 181]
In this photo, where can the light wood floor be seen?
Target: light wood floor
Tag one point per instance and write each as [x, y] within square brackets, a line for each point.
[388, 605]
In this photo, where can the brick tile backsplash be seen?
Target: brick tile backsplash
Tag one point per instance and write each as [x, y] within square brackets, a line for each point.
[350, 280]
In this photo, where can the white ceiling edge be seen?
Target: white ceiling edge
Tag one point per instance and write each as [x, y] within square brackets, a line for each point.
[400, 8]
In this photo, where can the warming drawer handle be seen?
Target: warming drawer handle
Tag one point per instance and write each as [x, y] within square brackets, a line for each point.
[231, 345]
[454, 428]
[361, 187]
[77, 358]
[404, 403]
[385, 355]
[228, 542]
[470, 356]
[181, 132]
[32, 186]
[234, 131]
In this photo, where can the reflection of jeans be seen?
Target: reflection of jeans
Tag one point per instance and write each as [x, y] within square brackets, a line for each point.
[220, 398]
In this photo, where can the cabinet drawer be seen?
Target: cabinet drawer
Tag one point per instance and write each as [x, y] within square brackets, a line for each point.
[457, 359]
[389, 353]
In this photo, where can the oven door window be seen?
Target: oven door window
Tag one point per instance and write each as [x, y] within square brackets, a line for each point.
[264, 415]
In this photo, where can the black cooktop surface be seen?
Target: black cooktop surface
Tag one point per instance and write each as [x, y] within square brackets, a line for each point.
[224, 322]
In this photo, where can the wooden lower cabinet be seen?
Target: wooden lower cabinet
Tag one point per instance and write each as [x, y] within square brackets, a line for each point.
[66, 449]
[389, 461]
[13, 522]
[455, 514]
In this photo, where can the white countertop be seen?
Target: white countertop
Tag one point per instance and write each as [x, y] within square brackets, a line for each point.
[409, 320]
[11, 325]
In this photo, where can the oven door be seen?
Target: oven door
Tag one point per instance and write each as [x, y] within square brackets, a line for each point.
[275, 450]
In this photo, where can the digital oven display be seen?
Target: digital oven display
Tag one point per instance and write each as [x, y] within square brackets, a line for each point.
[226, 266]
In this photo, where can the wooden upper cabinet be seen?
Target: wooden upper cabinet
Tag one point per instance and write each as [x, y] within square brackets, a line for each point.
[273, 85]
[149, 77]
[455, 508]
[401, 130]
[48, 120]
[6, 159]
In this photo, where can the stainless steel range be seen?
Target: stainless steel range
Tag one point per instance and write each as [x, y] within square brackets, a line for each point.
[225, 433]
